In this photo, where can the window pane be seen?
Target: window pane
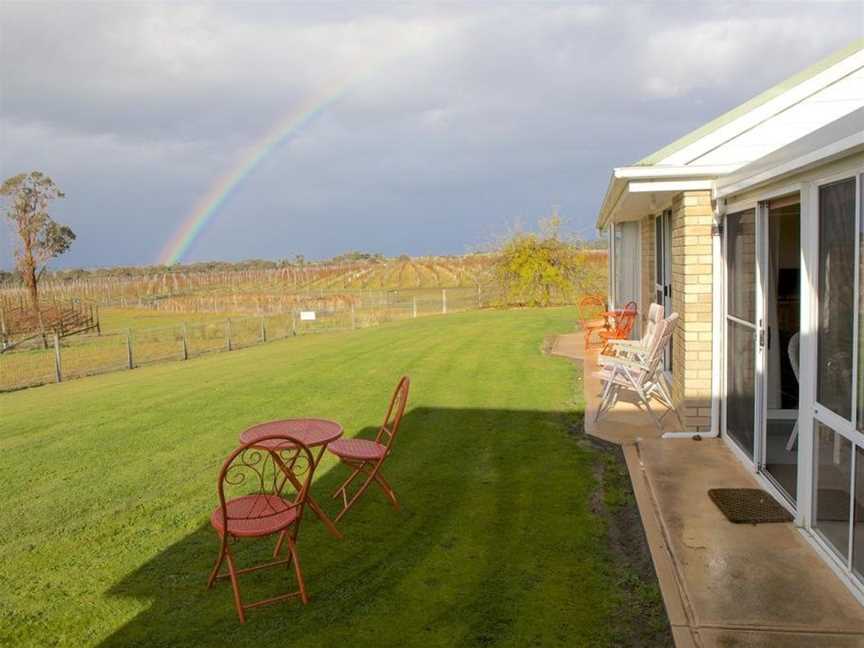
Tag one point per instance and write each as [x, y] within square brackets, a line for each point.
[861, 310]
[833, 484]
[836, 295]
[741, 265]
[858, 550]
[740, 384]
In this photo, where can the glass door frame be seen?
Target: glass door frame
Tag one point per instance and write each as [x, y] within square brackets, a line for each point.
[818, 413]
[663, 271]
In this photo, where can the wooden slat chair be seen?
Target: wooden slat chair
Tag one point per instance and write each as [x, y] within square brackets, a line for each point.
[262, 490]
[637, 349]
[643, 377]
[364, 456]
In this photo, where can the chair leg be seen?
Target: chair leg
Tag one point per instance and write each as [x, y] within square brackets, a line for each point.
[298, 572]
[345, 484]
[388, 490]
[792, 437]
[223, 545]
[348, 503]
[235, 585]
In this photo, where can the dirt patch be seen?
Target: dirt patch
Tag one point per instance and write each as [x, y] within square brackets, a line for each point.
[642, 620]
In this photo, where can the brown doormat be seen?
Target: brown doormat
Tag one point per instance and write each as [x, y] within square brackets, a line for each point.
[748, 505]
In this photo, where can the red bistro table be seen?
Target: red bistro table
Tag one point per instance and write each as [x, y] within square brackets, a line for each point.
[314, 433]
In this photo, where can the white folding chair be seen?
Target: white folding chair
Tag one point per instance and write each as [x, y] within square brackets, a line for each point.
[636, 349]
[642, 376]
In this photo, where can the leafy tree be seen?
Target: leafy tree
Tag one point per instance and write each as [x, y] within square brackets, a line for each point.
[40, 237]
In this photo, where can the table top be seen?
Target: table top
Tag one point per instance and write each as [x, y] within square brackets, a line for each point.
[311, 431]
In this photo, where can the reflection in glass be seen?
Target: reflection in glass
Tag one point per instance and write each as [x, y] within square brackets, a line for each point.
[741, 265]
[858, 548]
[836, 295]
[833, 462]
[740, 384]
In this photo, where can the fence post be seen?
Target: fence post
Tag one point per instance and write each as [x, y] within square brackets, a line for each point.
[58, 371]
[263, 330]
[353, 317]
[129, 358]
[414, 307]
[444, 301]
[185, 342]
[293, 322]
[479, 300]
[228, 334]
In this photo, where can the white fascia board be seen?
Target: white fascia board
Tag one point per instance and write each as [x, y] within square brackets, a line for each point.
[640, 172]
[767, 110]
[742, 182]
[670, 185]
[613, 194]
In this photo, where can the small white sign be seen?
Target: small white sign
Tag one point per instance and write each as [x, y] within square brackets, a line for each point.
[307, 316]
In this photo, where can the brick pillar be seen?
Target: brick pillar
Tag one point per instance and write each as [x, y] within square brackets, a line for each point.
[691, 299]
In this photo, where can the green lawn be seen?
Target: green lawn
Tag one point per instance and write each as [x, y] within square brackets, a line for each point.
[110, 482]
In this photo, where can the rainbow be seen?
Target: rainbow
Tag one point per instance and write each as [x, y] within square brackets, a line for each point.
[205, 208]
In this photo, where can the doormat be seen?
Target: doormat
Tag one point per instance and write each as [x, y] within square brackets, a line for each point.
[748, 505]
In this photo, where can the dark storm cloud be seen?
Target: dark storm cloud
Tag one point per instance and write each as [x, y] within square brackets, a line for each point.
[463, 119]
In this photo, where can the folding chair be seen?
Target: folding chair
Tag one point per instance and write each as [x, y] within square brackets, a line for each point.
[643, 377]
[262, 490]
[591, 309]
[624, 321]
[637, 349]
[366, 457]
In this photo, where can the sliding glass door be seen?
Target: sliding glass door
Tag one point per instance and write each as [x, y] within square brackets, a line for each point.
[739, 406]
[663, 271]
[838, 444]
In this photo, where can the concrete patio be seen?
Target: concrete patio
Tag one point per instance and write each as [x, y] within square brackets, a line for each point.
[723, 584]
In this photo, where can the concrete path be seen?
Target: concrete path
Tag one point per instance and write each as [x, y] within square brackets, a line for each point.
[723, 584]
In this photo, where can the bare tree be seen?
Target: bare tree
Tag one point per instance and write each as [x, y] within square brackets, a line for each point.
[40, 237]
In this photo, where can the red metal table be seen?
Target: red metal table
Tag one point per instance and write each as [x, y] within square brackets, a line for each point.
[314, 433]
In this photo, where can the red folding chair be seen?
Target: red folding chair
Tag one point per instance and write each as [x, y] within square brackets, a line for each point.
[262, 491]
[591, 309]
[366, 457]
[625, 319]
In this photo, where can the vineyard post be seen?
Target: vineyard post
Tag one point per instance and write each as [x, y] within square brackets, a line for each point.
[58, 371]
[263, 330]
[129, 358]
[414, 307]
[3, 321]
[479, 301]
[185, 341]
[293, 323]
[444, 301]
[228, 334]
[353, 317]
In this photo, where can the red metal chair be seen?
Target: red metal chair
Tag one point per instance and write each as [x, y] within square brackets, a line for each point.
[367, 457]
[625, 319]
[262, 490]
[591, 309]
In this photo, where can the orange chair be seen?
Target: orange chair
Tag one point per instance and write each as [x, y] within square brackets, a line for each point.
[262, 490]
[625, 319]
[367, 457]
[591, 309]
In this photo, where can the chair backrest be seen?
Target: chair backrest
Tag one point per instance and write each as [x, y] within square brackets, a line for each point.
[625, 320]
[387, 432]
[655, 314]
[591, 308]
[274, 472]
[654, 358]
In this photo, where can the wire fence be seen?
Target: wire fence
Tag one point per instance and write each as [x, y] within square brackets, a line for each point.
[58, 359]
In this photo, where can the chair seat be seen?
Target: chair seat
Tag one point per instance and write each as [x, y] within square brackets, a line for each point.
[361, 449]
[611, 335]
[255, 515]
[594, 324]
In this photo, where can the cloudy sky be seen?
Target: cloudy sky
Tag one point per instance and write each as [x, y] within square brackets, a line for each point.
[442, 124]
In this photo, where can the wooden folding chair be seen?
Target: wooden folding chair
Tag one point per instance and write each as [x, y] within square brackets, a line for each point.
[262, 490]
[591, 309]
[366, 457]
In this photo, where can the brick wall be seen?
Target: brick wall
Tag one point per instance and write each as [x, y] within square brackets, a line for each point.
[692, 218]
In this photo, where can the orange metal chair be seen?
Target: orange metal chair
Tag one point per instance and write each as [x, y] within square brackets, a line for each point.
[591, 310]
[262, 490]
[625, 319]
[367, 457]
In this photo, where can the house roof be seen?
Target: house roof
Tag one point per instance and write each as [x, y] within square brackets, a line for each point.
[764, 97]
[786, 113]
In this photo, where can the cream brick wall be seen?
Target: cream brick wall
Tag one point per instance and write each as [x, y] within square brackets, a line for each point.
[692, 277]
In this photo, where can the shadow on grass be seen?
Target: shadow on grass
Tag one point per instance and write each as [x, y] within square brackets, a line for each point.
[495, 543]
